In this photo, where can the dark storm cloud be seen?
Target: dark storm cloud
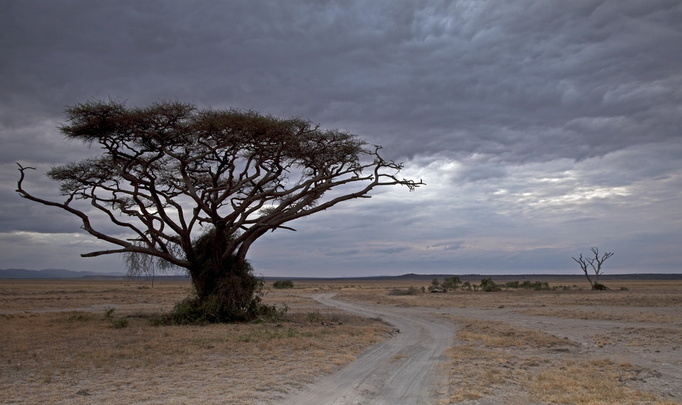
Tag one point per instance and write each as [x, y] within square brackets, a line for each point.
[521, 80]
[518, 115]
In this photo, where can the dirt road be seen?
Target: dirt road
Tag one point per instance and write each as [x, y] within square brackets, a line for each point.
[405, 369]
[401, 370]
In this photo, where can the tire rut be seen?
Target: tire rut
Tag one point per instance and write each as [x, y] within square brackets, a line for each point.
[403, 369]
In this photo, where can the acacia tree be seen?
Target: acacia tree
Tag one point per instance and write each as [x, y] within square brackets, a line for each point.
[196, 188]
[595, 263]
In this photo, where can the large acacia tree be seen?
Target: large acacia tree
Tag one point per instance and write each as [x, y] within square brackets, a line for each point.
[195, 188]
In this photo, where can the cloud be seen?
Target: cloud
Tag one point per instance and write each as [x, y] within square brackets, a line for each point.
[539, 126]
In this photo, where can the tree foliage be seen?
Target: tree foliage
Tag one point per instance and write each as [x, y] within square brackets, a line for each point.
[452, 283]
[196, 188]
[283, 284]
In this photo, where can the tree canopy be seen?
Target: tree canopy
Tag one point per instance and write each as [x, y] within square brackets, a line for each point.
[170, 172]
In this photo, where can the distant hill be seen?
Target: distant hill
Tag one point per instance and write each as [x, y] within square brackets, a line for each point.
[62, 273]
[495, 277]
[53, 273]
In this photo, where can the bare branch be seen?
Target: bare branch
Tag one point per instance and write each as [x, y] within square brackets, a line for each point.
[595, 263]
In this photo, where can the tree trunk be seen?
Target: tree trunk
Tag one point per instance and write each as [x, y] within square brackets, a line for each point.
[226, 289]
[226, 293]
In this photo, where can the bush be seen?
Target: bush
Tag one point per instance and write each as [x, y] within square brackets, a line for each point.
[191, 311]
[452, 283]
[488, 285]
[408, 291]
[281, 284]
[217, 308]
[528, 285]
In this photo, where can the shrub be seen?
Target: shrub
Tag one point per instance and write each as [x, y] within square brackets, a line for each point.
[528, 285]
[488, 285]
[193, 311]
[408, 291]
[452, 283]
[281, 284]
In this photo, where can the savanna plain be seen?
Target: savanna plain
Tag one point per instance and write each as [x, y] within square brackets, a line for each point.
[95, 341]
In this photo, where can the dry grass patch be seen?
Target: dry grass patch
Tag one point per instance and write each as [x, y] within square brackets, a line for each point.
[83, 357]
[637, 294]
[89, 295]
[474, 373]
[644, 337]
[591, 382]
[650, 316]
[497, 334]
[514, 374]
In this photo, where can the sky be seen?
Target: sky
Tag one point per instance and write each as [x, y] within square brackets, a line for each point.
[541, 128]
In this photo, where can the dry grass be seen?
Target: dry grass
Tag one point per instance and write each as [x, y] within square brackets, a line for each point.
[637, 293]
[514, 365]
[81, 357]
[650, 315]
[496, 334]
[58, 346]
[474, 373]
[89, 295]
[591, 382]
[543, 377]
[642, 337]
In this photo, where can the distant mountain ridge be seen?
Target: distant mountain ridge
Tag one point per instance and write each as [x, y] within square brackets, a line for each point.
[54, 273]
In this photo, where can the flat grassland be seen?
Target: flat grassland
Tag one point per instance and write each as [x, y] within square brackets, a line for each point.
[91, 341]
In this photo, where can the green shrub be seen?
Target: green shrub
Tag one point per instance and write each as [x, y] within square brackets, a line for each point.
[528, 285]
[281, 284]
[408, 291]
[192, 311]
[452, 283]
[488, 285]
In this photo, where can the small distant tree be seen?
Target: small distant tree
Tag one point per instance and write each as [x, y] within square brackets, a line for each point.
[595, 263]
[488, 285]
[452, 283]
[435, 286]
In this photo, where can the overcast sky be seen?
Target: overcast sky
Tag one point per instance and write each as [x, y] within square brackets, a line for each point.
[541, 128]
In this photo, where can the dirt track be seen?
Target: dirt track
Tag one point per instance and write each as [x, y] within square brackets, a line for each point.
[405, 369]
[401, 370]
